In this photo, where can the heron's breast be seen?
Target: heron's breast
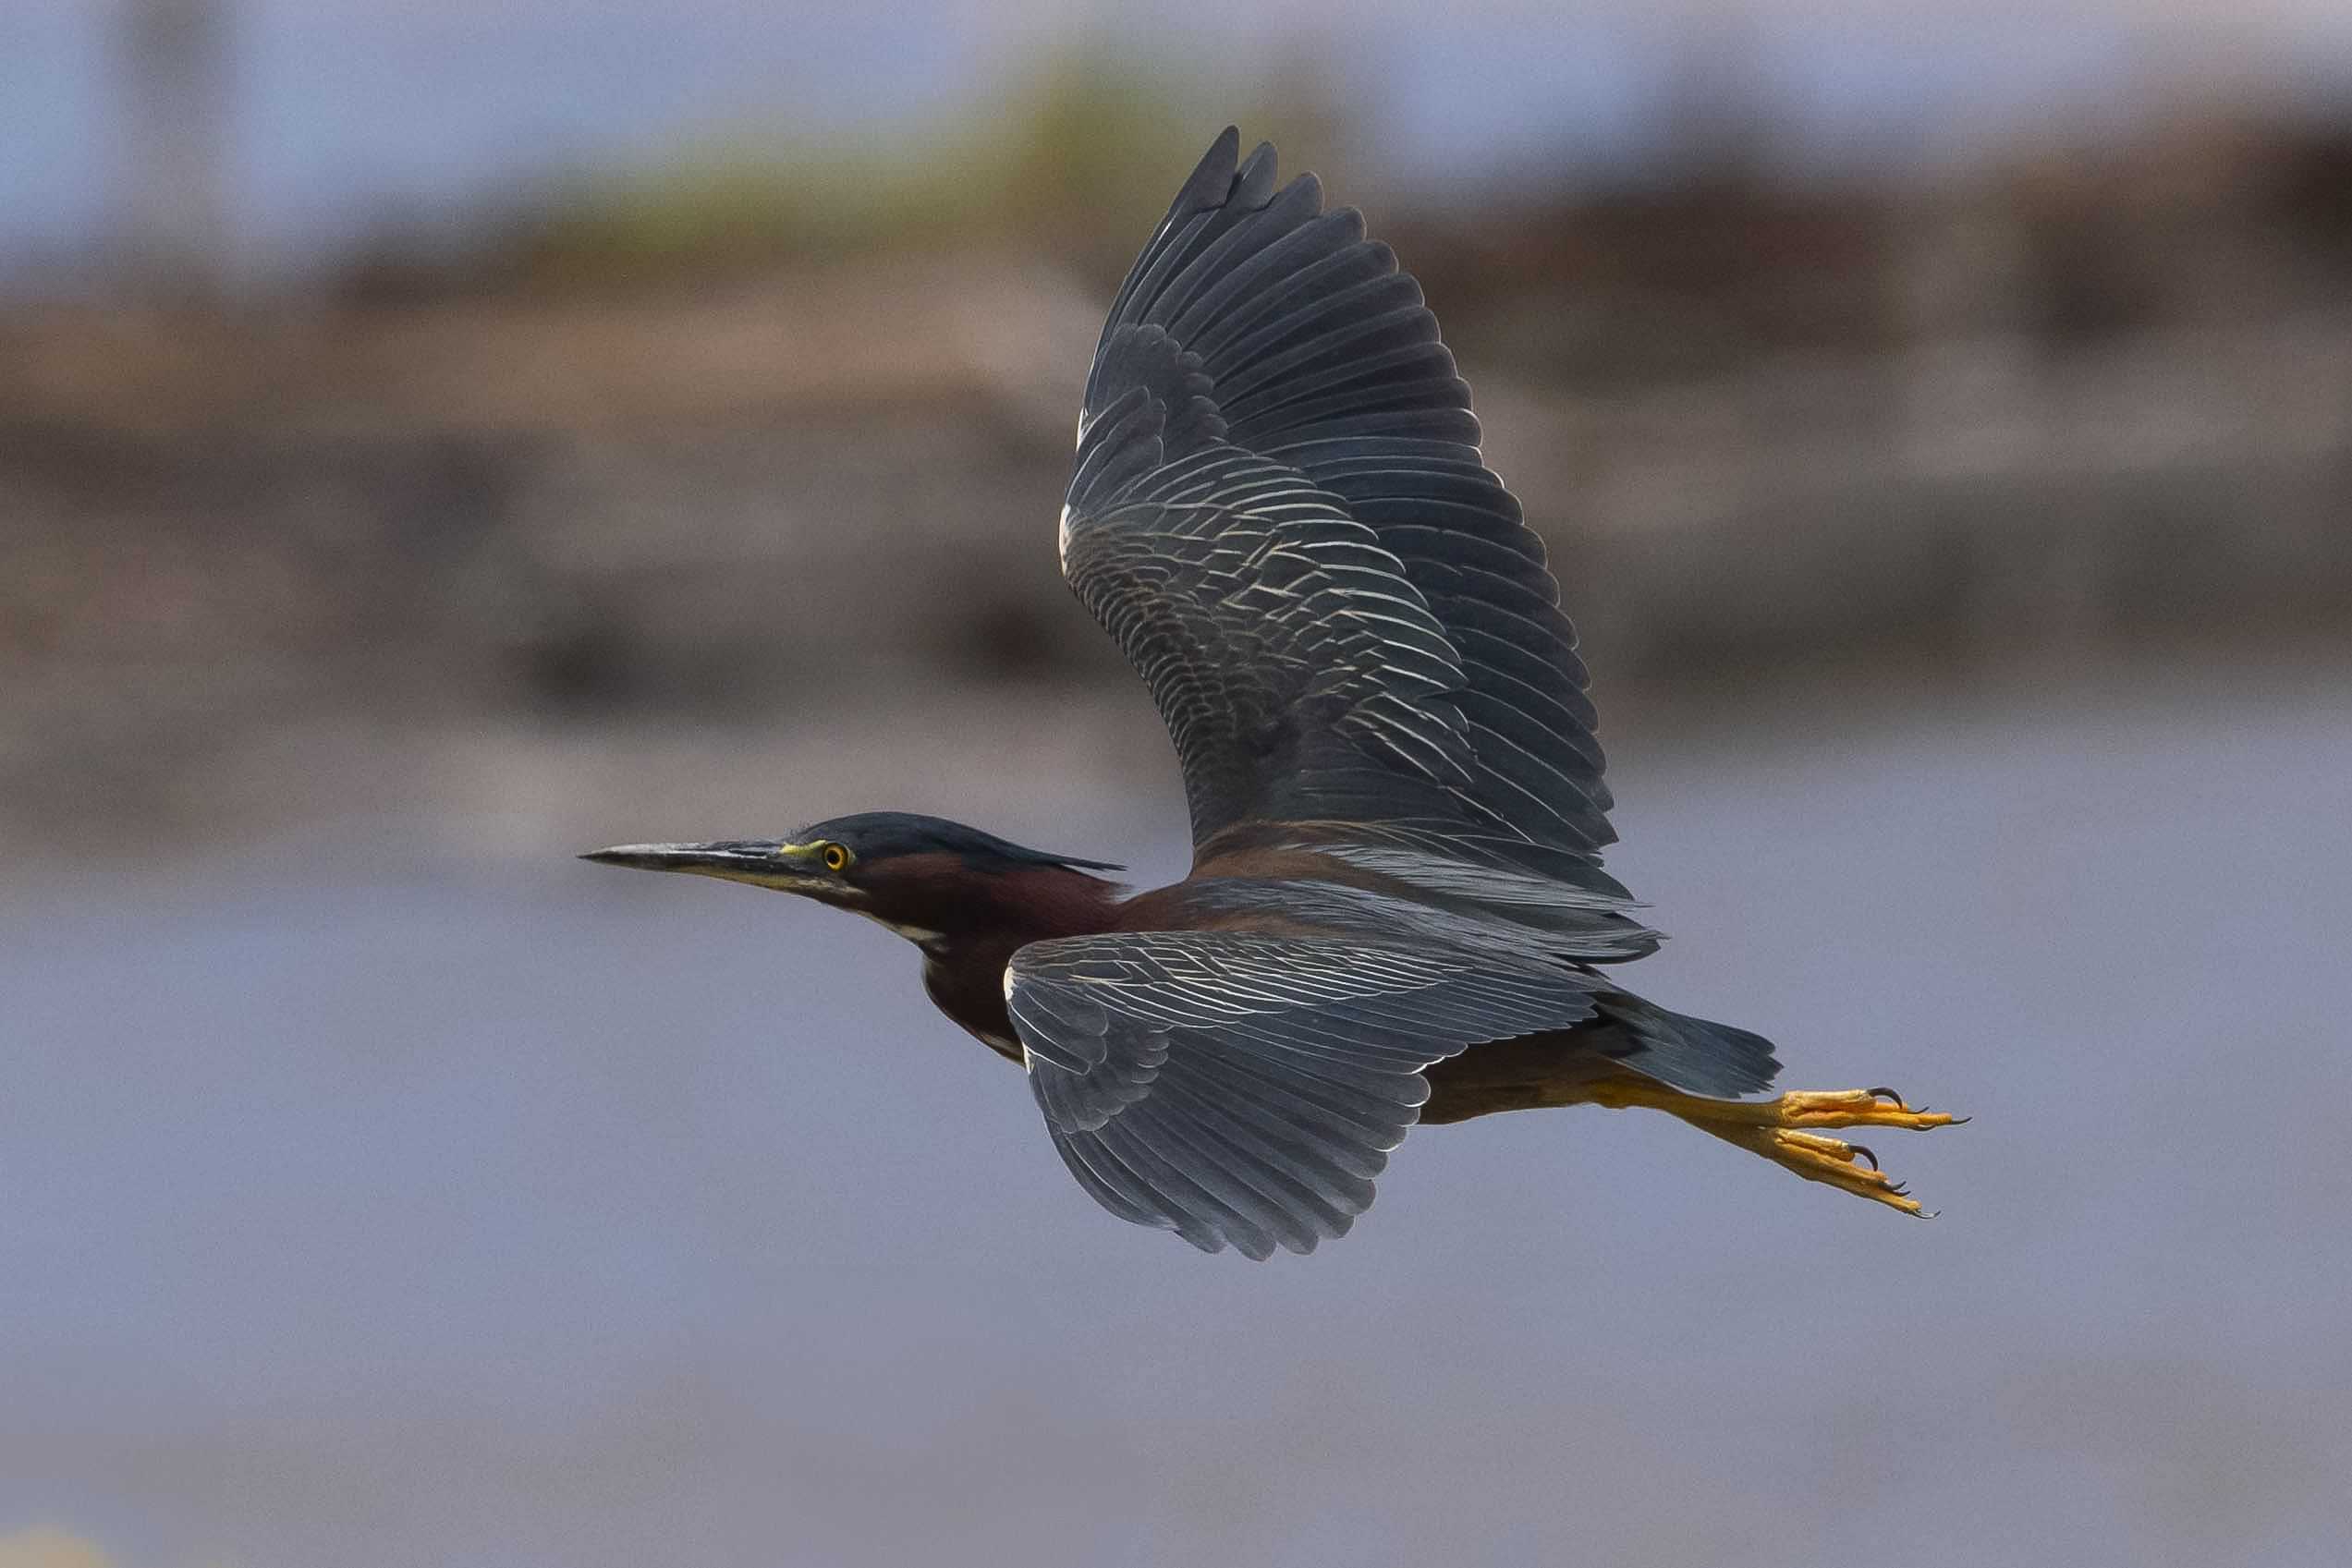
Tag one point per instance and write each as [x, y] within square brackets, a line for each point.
[970, 987]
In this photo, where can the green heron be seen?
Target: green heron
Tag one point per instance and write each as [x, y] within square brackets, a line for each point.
[1396, 911]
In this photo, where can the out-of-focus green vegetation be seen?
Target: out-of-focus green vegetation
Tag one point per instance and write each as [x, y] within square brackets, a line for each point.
[1073, 162]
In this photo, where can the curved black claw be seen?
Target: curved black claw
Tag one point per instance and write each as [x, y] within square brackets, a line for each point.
[1864, 1150]
[1886, 1094]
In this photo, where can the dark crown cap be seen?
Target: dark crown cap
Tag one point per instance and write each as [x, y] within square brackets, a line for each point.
[874, 836]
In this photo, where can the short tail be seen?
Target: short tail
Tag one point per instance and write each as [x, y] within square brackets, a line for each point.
[1691, 1054]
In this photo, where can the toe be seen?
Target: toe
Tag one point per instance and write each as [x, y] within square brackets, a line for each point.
[1841, 1164]
[1857, 1108]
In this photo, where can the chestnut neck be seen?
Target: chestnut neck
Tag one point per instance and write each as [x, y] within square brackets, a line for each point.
[964, 962]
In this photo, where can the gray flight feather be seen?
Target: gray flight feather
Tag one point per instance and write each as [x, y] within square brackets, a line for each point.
[1243, 1090]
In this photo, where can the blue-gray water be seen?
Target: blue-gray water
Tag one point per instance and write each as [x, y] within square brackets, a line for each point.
[370, 1211]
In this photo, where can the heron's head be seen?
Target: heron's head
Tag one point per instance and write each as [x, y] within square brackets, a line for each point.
[923, 877]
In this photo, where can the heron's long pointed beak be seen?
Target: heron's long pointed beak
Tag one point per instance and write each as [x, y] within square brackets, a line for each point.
[705, 858]
[788, 867]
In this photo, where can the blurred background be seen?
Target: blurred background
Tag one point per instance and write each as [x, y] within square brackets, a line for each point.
[436, 438]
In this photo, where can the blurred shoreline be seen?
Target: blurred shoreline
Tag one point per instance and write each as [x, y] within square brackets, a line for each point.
[308, 550]
[694, 460]
[1084, 768]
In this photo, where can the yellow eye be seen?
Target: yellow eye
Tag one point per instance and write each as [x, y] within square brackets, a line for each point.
[836, 858]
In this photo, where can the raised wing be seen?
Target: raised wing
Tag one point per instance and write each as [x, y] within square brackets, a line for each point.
[1244, 1089]
[1263, 343]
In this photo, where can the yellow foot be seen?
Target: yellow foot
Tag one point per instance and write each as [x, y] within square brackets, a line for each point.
[1774, 1128]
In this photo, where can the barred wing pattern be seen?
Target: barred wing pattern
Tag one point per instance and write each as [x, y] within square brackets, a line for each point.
[1256, 326]
[1244, 1089]
[1300, 675]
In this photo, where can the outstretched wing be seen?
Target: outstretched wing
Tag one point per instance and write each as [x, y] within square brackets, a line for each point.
[1244, 1089]
[1268, 387]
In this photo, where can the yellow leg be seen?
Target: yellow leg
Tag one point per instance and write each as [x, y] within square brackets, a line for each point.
[1775, 1129]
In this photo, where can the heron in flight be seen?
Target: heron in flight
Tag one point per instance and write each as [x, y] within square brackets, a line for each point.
[1396, 912]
